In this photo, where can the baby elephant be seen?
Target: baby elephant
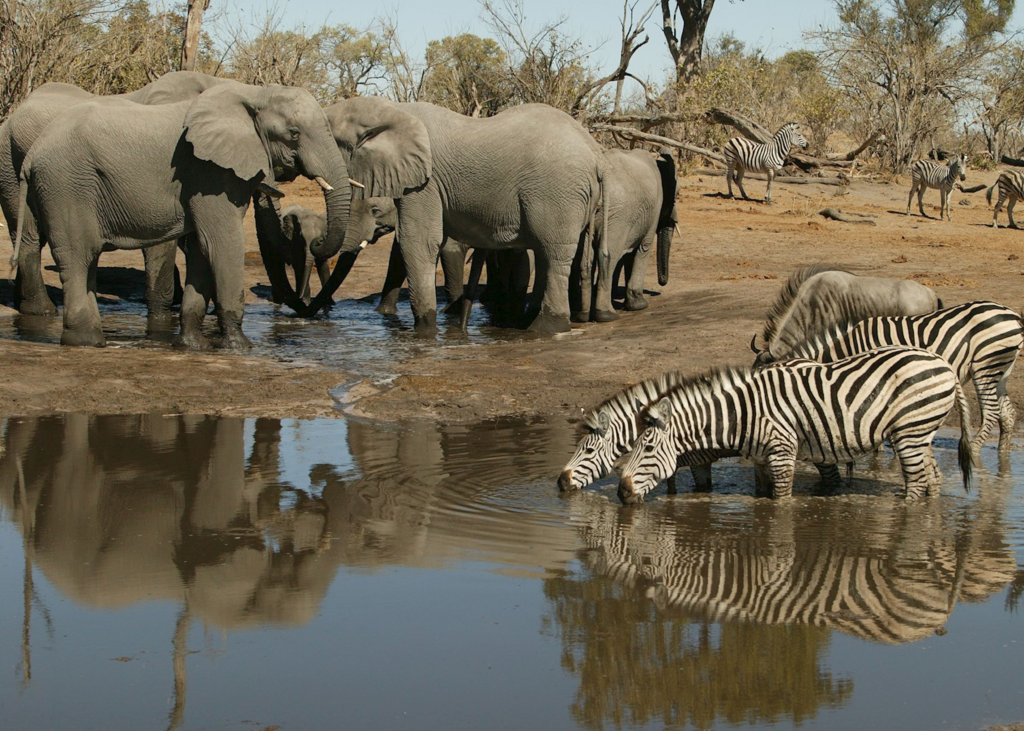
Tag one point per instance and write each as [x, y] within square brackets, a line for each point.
[299, 233]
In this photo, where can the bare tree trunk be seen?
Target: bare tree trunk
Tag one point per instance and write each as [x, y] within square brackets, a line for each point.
[687, 49]
[193, 32]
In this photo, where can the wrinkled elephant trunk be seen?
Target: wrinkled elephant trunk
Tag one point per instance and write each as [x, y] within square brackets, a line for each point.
[664, 249]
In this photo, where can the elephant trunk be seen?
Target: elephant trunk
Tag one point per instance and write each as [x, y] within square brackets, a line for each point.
[667, 216]
[273, 245]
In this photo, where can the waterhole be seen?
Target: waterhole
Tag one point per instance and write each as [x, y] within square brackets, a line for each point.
[201, 572]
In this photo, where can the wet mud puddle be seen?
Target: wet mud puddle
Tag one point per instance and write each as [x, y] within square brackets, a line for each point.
[202, 572]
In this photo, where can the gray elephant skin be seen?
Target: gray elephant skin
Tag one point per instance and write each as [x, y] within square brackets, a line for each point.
[818, 297]
[20, 131]
[527, 178]
[641, 195]
[289, 236]
[113, 173]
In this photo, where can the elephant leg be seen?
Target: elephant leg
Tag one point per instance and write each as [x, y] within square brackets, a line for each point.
[82, 324]
[479, 257]
[267, 214]
[604, 311]
[540, 276]
[453, 264]
[227, 260]
[160, 267]
[635, 299]
[420, 224]
[393, 281]
[554, 308]
[581, 286]
[30, 296]
[196, 298]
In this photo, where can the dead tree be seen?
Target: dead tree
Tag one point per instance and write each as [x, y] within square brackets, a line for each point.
[193, 32]
[631, 31]
[686, 43]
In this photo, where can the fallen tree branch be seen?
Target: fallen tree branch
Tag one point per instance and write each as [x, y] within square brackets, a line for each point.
[852, 155]
[972, 189]
[630, 133]
[1015, 161]
[789, 179]
[837, 215]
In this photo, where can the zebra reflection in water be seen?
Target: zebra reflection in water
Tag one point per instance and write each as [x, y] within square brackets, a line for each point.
[896, 579]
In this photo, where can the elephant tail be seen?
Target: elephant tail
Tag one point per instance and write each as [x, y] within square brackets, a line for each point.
[22, 212]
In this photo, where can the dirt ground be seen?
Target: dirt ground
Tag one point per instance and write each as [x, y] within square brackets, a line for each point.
[728, 262]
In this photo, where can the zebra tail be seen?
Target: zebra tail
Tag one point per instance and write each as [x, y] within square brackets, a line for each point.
[988, 193]
[963, 452]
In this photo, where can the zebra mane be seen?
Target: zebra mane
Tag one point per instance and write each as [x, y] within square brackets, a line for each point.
[624, 402]
[785, 127]
[711, 380]
[787, 296]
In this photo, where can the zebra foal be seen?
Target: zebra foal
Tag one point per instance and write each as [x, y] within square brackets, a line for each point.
[1011, 187]
[981, 340]
[927, 174]
[742, 154]
[824, 413]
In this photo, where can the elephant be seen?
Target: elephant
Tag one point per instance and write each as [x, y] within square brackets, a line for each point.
[641, 195]
[113, 173]
[17, 135]
[289, 236]
[526, 178]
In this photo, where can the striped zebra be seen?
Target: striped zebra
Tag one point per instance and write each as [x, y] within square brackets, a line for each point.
[823, 413]
[1011, 186]
[928, 174]
[611, 429]
[981, 340]
[742, 154]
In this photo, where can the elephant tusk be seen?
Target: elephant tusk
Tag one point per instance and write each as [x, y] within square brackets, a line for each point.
[323, 184]
[363, 244]
[268, 189]
[355, 183]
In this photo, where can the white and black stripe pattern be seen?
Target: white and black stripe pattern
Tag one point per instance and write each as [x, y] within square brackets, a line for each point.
[823, 413]
[927, 174]
[612, 427]
[742, 154]
[981, 340]
[1011, 188]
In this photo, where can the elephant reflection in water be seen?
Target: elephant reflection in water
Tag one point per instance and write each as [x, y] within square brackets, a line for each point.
[776, 579]
[126, 509]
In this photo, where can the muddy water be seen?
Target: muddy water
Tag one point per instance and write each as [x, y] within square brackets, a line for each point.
[195, 572]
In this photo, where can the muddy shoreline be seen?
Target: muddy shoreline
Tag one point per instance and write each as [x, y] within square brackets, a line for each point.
[728, 261]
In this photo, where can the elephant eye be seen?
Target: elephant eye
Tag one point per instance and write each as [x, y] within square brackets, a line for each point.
[293, 133]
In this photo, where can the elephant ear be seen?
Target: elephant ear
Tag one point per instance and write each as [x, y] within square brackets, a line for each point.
[221, 125]
[388, 148]
[290, 226]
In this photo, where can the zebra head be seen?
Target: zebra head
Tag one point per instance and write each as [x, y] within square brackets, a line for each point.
[653, 457]
[791, 130]
[958, 167]
[594, 455]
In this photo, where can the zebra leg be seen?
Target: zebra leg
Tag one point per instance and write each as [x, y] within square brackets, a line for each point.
[762, 481]
[781, 465]
[920, 201]
[995, 211]
[949, 209]
[768, 190]
[991, 409]
[1009, 212]
[701, 477]
[914, 453]
[910, 198]
[830, 477]
[739, 183]
[728, 179]
[934, 475]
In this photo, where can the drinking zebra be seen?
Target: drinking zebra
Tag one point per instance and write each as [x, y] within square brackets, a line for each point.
[742, 154]
[824, 413]
[611, 428]
[1011, 186]
[928, 174]
[981, 340]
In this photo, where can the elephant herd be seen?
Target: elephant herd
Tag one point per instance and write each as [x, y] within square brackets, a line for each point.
[178, 163]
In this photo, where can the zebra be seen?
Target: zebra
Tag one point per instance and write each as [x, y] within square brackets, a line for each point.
[1011, 185]
[611, 428]
[742, 154]
[928, 174]
[824, 413]
[981, 340]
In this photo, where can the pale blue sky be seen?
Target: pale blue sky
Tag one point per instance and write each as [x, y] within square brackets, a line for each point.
[772, 25]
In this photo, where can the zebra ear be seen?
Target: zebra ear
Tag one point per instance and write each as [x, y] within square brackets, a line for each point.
[603, 422]
[659, 414]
